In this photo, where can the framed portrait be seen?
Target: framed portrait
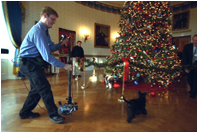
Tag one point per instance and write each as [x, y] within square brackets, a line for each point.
[180, 21]
[64, 51]
[101, 36]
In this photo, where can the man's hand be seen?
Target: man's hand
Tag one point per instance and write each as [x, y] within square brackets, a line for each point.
[68, 67]
[65, 41]
[187, 71]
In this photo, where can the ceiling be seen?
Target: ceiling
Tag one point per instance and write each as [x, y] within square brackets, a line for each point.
[120, 3]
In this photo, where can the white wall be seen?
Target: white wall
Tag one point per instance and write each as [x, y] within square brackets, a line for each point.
[75, 17]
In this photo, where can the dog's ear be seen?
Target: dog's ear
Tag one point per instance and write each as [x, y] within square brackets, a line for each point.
[139, 92]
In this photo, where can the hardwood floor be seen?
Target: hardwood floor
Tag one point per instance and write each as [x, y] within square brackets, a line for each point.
[99, 109]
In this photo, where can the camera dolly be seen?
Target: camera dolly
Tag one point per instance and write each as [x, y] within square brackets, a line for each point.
[70, 106]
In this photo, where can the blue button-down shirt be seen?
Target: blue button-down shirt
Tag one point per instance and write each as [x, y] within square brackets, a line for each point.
[36, 43]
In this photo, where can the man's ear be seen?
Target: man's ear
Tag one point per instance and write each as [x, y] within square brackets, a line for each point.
[45, 15]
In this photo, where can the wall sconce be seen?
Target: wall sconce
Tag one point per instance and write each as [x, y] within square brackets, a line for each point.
[116, 35]
[86, 37]
[85, 33]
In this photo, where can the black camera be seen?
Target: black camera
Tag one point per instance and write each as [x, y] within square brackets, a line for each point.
[67, 109]
[63, 36]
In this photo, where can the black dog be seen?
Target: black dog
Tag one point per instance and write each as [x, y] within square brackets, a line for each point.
[136, 106]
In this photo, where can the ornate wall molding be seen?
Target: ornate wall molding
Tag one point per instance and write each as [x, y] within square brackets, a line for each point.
[184, 6]
[100, 6]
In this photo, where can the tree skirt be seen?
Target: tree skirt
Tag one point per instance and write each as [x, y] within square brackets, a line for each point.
[141, 86]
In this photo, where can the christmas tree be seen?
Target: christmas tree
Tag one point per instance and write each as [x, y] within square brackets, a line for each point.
[144, 44]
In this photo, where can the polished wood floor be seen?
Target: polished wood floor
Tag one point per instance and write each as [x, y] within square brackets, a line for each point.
[99, 109]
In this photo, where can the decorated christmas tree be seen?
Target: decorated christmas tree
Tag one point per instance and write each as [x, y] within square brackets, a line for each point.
[144, 45]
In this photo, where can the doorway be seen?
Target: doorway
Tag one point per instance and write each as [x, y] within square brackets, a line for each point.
[64, 51]
[180, 42]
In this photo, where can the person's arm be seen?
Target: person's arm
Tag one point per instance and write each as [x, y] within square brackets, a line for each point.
[54, 47]
[83, 53]
[41, 42]
[73, 51]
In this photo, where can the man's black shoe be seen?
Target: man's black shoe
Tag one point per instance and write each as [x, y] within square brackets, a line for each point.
[79, 76]
[57, 119]
[29, 115]
[74, 76]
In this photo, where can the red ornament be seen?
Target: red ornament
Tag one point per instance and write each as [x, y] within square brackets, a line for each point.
[133, 73]
[152, 94]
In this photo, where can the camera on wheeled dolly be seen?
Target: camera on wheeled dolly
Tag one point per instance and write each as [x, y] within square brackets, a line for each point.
[67, 109]
[70, 106]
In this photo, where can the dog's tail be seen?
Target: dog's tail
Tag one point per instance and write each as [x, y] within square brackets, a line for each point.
[125, 100]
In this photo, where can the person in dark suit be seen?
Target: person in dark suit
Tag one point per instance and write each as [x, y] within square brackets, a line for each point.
[77, 52]
[189, 58]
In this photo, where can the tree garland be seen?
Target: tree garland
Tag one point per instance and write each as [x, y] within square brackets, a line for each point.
[141, 66]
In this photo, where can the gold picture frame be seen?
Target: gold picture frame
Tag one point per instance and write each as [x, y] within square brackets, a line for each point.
[101, 36]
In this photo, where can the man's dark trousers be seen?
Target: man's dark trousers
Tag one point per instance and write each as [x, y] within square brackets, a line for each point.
[40, 88]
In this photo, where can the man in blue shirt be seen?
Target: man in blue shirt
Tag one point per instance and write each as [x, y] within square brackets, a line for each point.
[34, 52]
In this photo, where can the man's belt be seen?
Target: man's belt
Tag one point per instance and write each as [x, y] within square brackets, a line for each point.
[37, 60]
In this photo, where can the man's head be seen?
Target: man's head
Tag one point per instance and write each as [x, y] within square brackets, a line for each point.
[79, 43]
[48, 16]
[194, 40]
